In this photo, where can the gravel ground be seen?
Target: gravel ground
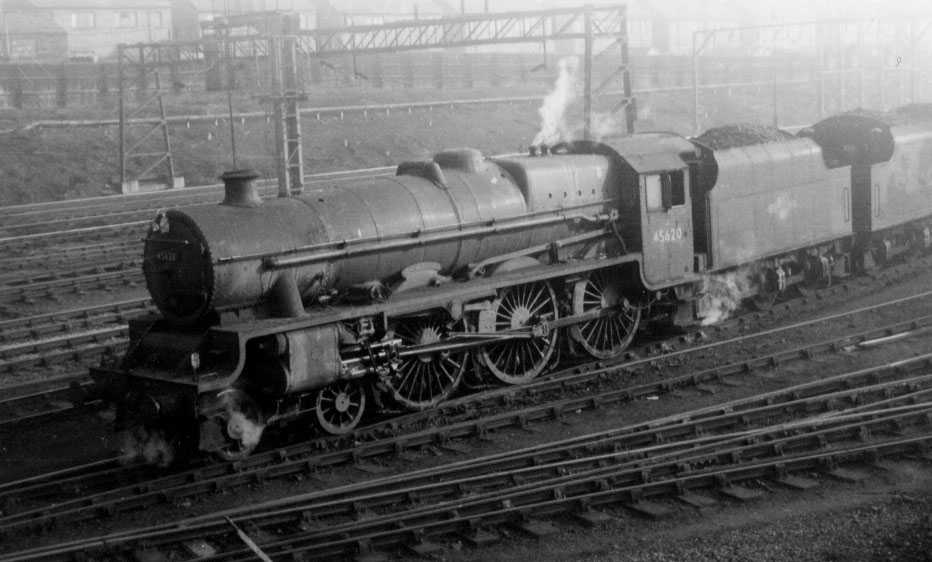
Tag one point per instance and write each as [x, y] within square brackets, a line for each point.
[888, 517]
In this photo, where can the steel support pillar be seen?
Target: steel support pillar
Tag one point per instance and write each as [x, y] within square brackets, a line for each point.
[587, 88]
[286, 112]
[152, 154]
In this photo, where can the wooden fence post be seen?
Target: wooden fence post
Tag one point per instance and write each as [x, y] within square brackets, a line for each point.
[61, 86]
[436, 66]
[376, 74]
[407, 71]
[16, 88]
[466, 61]
[495, 77]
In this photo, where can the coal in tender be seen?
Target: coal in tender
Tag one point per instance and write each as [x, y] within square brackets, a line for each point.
[742, 134]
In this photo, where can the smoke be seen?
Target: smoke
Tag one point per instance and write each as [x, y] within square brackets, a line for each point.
[149, 446]
[553, 125]
[722, 294]
[605, 125]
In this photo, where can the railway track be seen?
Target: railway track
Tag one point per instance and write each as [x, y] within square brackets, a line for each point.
[65, 394]
[76, 215]
[106, 234]
[66, 321]
[70, 257]
[79, 336]
[475, 516]
[79, 347]
[810, 427]
[85, 494]
[75, 282]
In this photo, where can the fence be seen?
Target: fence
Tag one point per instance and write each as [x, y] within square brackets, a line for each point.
[95, 84]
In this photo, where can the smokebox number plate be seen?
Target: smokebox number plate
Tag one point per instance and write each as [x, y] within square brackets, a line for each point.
[167, 256]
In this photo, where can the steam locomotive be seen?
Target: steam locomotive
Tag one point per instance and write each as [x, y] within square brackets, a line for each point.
[387, 293]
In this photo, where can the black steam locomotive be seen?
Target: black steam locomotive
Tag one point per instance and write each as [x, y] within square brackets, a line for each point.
[390, 291]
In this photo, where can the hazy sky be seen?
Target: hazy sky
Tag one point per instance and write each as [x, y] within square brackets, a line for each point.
[756, 11]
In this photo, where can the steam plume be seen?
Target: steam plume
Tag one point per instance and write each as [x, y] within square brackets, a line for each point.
[247, 431]
[605, 125]
[722, 294]
[553, 126]
[251, 431]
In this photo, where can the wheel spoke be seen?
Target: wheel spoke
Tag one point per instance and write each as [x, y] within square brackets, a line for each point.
[610, 334]
[520, 360]
[421, 381]
[538, 307]
[340, 406]
[539, 301]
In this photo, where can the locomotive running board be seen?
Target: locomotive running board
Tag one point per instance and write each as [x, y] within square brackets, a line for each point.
[448, 295]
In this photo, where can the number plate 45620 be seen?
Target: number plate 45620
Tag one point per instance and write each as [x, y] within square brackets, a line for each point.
[668, 234]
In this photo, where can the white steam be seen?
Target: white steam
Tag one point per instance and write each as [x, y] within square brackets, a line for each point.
[723, 294]
[248, 432]
[239, 426]
[554, 127]
[606, 125]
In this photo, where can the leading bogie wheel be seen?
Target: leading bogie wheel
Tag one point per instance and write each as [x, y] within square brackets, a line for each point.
[340, 406]
[519, 360]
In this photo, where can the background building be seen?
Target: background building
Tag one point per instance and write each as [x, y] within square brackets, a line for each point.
[92, 28]
[31, 37]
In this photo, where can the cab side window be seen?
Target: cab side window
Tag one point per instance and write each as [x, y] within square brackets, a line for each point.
[665, 190]
[653, 192]
[674, 190]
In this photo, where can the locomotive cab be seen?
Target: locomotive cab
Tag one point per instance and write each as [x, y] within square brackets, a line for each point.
[665, 218]
[655, 207]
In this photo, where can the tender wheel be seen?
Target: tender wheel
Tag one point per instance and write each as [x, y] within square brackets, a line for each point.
[422, 381]
[876, 258]
[763, 302]
[231, 424]
[817, 275]
[340, 407]
[607, 336]
[518, 361]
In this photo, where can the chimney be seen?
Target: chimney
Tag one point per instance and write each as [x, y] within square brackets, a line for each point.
[239, 188]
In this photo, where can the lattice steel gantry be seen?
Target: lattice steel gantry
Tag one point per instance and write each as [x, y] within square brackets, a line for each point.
[284, 53]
